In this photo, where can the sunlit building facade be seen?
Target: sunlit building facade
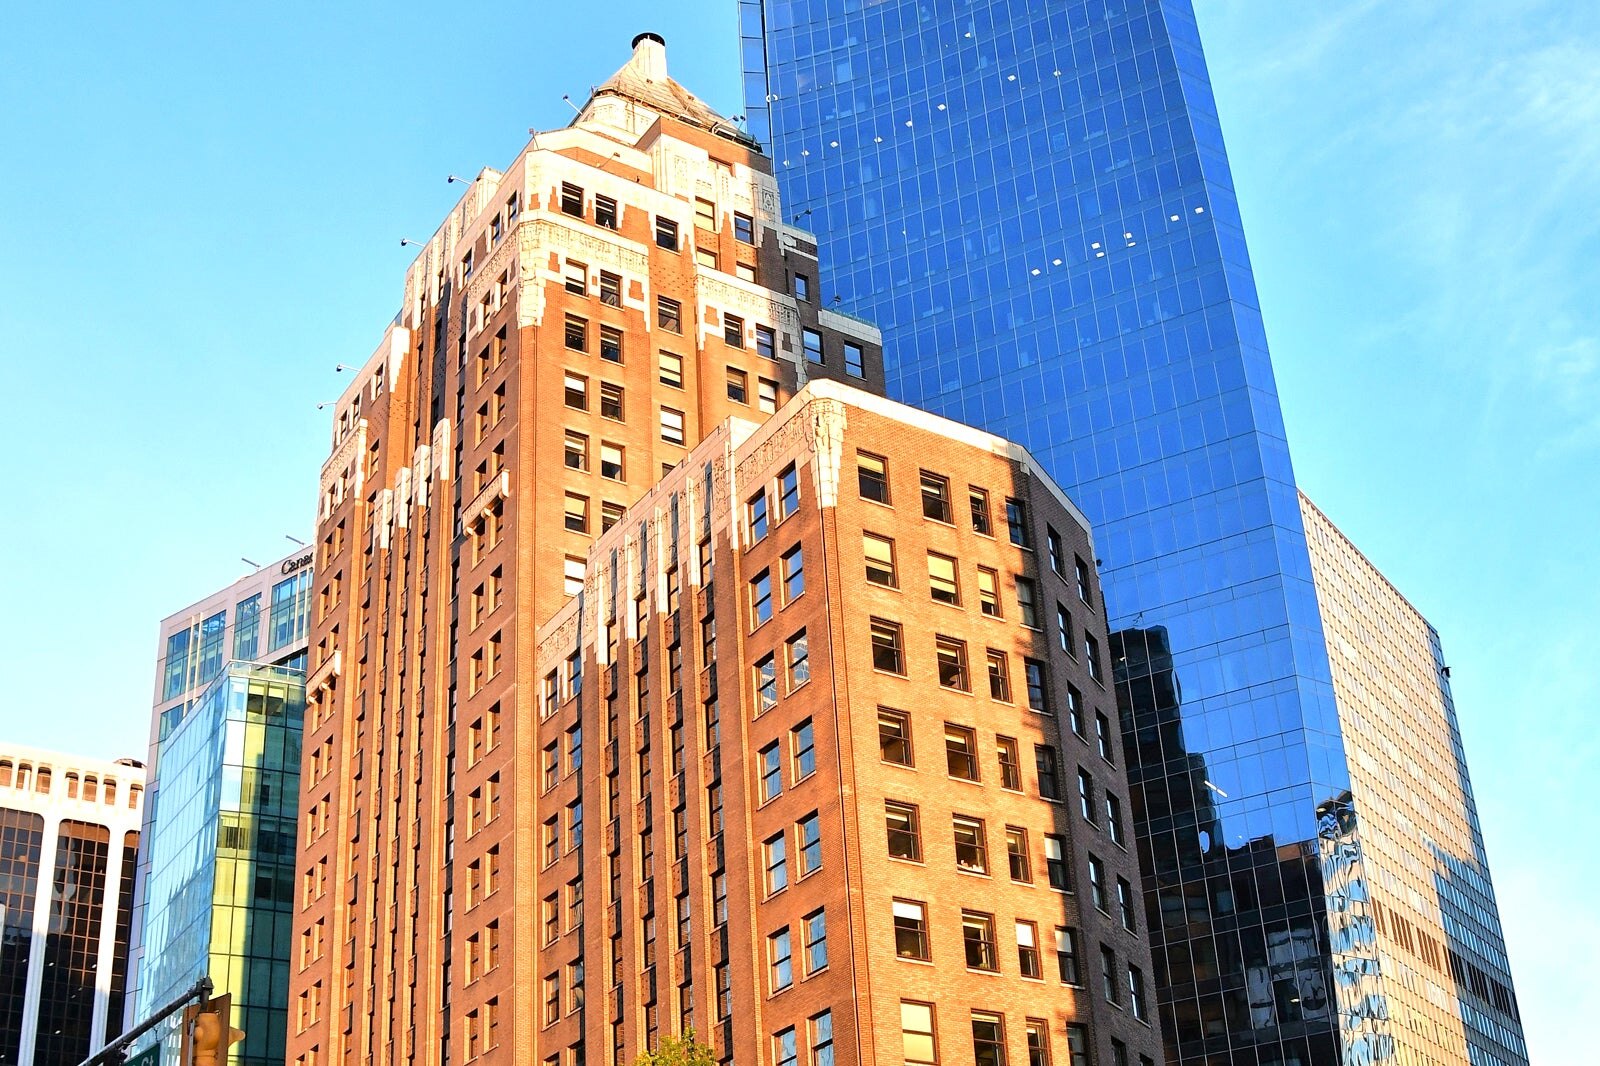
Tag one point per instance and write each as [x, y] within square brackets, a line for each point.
[69, 840]
[1446, 977]
[1033, 201]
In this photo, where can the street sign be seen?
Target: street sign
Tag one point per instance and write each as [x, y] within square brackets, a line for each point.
[150, 1056]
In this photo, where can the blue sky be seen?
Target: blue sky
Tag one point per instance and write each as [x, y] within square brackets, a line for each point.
[202, 207]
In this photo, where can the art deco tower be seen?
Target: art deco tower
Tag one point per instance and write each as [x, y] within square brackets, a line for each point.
[577, 324]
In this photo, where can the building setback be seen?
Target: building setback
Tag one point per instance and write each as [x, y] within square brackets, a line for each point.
[854, 797]
[577, 324]
[69, 840]
[1442, 954]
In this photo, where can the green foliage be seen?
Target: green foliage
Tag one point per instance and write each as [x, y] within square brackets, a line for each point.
[678, 1051]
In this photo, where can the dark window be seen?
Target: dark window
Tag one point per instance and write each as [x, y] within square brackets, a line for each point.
[733, 331]
[894, 736]
[1038, 692]
[738, 386]
[904, 829]
[1125, 906]
[1017, 523]
[910, 930]
[571, 199]
[610, 289]
[1091, 652]
[669, 314]
[1044, 761]
[1102, 737]
[812, 342]
[611, 344]
[577, 334]
[961, 752]
[1017, 855]
[610, 401]
[952, 661]
[766, 342]
[605, 212]
[1081, 571]
[1067, 956]
[887, 653]
[972, 848]
[1097, 884]
[999, 676]
[1010, 763]
[988, 1039]
[978, 501]
[935, 497]
[1055, 862]
[666, 233]
[802, 287]
[744, 228]
[1052, 541]
[854, 363]
[872, 472]
[977, 936]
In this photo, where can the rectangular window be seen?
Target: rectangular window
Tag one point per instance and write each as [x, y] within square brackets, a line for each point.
[935, 496]
[1064, 629]
[669, 314]
[760, 599]
[611, 401]
[961, 752]
[872, 473]
[1055, 862]
[887, 653]
[780, 966]
[1027, 606]
[1045, 765]
[1136, 999]
[803, 743]
[1125, 906]
[1010, 763]
[1102, 737]
[1075, 709]
[854, 360]
[1056, 550]
[1114, 819]
[1028, 950]
[788, 492]
[904, 828]
[988, 1039]
[1086, 795]
[744, 228]
[952, 660]
[766, 395]
[771, 763]
[999, 676]
[576, 451]
[766, 671]
[821, 1029]
[1017, 854]
[1037, 1033]
[755, 510]
[1078, 1044]
[1038, 691]
[802, 287]
[666, 234]
[577, 392]
[766, 342]
[571, 199]
[978, 500]
[917, 1041]
[577, 513]
[1067, 956]
[809, 830]
[610, 514]
[811, 340]
[775, 855]
[610, 289]
[605, 212]
[878, 554]
[733, 331]
[573, 573]
[972, 849]
[1091, 652]
[798, 659]
[989, 592]
[738, 385]
[814, 928]
[705, 213]
[942, 582]
[977, 936]
[894, 735]
[575, 278]
[910, 930]
[611, 344]
[672, 426]
[1081, 578]
[792, 569]
[1108, 975]
[1017, 524]
[1097, 884]
[611, 456]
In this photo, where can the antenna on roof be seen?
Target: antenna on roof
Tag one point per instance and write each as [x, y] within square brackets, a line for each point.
[576, 109]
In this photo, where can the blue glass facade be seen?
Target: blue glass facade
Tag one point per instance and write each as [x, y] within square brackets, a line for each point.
[1033, 201]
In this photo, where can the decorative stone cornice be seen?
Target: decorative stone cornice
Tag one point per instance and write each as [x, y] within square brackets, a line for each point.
[498, 488]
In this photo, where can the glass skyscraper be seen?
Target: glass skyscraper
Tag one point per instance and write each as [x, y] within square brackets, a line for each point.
[219, 895]
[1032, 200]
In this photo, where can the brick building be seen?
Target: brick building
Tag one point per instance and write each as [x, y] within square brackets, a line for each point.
[835, 699]
[577, 324]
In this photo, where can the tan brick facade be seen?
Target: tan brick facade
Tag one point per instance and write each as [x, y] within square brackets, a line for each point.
[685, 924]
[472, 465]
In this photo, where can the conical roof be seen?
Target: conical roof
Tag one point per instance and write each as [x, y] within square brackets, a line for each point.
[643, 79]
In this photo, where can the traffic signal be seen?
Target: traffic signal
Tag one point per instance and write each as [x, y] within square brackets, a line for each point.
[207, 1034]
